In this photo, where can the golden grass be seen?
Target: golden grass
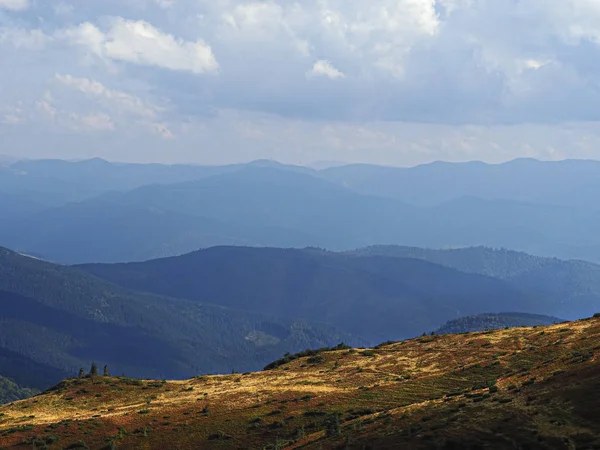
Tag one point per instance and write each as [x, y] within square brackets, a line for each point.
[393, 386]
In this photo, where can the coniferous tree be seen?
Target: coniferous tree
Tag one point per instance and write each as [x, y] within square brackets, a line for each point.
[94, 370]
[81, 373]
[106, 371]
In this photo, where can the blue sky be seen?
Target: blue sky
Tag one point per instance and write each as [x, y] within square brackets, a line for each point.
[385, 81]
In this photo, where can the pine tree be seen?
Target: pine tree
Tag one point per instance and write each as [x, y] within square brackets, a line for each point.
[81, 373]
[94, 370]
[106, 372]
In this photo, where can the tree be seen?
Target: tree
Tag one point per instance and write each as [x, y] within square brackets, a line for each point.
[106, 372]
[81, 373]
[94, 370]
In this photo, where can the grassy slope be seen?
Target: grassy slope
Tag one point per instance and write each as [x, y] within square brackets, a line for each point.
[430, 392]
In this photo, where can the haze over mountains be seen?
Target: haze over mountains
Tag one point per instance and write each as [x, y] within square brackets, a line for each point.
[276, 259]
[95, 211]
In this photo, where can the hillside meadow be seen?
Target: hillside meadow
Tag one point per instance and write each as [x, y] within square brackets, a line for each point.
[538, 387]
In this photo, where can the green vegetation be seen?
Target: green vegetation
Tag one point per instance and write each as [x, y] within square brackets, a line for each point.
[10, 391]
[482, 322]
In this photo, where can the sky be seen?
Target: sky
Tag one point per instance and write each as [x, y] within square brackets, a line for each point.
[398, 82]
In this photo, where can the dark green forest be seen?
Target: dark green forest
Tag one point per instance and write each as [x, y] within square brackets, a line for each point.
[484, 322]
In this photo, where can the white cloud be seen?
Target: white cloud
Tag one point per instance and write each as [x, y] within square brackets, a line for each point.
[325, 69]
[14, 5]
[138, 42]
[123, 109]
[121, 100]
[26, 39]
[444, 62]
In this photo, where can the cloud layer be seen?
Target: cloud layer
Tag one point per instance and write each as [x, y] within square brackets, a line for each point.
[169, 73]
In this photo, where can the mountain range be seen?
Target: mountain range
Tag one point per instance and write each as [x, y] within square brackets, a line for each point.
[96, 211]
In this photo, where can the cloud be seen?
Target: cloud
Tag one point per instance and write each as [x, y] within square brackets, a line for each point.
[326, 69]
[121, 100]
[346, 65]
[117, 109]
[138, 42]
[14, 5]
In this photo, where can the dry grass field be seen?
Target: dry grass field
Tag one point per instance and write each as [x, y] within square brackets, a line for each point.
[527, 388]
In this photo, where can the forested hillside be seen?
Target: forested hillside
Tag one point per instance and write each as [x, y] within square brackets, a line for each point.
[378, 298]
[573, 284]
[10, 391]
[483, 322]
[56, 319]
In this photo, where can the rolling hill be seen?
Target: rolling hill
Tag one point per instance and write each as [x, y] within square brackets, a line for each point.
[56, 319]
[377, 298]
[533, 388]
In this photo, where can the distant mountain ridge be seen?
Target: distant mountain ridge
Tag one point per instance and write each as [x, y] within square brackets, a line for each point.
[54, 208]
[576, 284]
[402, 296]
[567, 182]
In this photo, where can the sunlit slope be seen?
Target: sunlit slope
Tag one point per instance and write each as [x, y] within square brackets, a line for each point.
[533, 387]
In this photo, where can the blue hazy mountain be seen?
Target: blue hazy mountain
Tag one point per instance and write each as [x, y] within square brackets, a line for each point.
[95, 211]
[376, 297]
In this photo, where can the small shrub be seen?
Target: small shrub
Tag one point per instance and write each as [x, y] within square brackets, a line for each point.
[77, 446]
[218, 436]
[318, 359]
[314, 414]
